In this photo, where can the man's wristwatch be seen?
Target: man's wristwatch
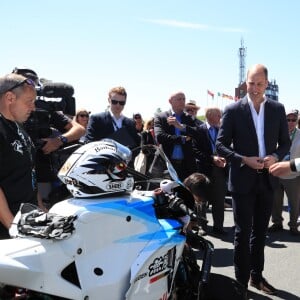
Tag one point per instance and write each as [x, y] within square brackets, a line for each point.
[183, 127]
[63, 139]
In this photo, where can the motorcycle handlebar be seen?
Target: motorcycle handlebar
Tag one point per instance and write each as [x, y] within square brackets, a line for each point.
[177, 204]
[188, 211]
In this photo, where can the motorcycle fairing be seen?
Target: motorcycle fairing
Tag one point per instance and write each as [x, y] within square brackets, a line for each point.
[153, 272]
[98, 249]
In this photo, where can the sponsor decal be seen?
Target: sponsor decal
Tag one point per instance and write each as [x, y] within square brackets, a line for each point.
[114, 186]
[159, 264]
[69, 180]
[101, 147]
[163, 265]
[141, 276]
[160, 276]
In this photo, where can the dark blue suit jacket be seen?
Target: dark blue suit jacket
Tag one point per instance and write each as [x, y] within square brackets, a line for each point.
[203, 150]
[237, 137]
[101, 126]
[165, 135]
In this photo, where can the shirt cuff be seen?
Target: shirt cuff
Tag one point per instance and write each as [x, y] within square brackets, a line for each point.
[295, 164]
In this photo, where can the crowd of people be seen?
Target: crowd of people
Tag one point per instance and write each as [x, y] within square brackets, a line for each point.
[250, 150]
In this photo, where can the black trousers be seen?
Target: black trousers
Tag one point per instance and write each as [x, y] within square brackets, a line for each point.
[252, 213]
[181, 168]
[216, 194]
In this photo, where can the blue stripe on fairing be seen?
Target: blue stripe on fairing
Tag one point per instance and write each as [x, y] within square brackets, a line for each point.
[139, 209]
[120, 207]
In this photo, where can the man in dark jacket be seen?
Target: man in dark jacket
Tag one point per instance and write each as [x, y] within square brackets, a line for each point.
[212, 165]
[252, 137]
[112, 123]
[174, 130]
[17, 153]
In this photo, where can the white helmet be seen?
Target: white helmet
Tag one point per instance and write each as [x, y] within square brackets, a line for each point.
[97, 168]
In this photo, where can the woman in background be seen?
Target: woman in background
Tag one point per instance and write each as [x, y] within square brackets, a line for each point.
[82, 117]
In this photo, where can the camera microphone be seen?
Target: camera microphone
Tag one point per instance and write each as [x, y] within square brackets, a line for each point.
[56, 90]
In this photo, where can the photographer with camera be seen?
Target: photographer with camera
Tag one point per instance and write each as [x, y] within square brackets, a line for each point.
[50, 129]
[17, 152]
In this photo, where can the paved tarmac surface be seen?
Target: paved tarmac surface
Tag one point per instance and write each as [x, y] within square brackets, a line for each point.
[282, 260]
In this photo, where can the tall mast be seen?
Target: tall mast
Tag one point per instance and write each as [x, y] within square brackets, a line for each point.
[242, 55]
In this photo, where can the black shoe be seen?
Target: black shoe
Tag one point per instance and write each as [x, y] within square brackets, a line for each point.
[275, 227]
[294, 231]
[264, 286]
[241, 290]
[219, 231]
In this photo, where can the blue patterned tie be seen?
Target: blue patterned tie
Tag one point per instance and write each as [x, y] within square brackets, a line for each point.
[213, 136]
[177, 150]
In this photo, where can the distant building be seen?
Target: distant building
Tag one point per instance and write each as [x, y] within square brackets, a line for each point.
[271, 92]
[240, 91]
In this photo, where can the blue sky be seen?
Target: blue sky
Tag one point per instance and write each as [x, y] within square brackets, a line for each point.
[152, 48]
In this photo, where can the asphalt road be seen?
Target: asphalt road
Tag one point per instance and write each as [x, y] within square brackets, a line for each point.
[282, 260]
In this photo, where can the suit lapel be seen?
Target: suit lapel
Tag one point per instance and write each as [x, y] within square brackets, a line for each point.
[109, 122]
[267, 124]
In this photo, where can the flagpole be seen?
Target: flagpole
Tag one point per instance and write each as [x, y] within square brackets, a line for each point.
[206, 99]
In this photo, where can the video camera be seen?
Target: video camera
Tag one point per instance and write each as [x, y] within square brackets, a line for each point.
[38, 124]
[56, 90]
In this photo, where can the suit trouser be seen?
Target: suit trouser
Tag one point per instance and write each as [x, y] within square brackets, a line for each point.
[252, 213]
[217, 193]
[182, 168]
[292, 189]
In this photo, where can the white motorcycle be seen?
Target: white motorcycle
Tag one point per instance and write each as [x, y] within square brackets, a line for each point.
[112, 240]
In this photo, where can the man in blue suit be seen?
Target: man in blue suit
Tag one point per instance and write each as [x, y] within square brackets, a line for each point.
[252, 137]
[112, 123]
[174, 130]
[212, 165]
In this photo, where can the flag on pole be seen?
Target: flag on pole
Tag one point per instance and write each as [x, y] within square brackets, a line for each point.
[211, 94]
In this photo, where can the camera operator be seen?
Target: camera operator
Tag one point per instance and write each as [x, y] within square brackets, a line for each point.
[50, 131]
[17, 152]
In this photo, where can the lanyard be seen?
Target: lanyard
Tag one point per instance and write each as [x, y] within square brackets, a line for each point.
[292, 135]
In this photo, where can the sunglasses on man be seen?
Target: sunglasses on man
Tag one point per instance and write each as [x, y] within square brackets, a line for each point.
[115, 102]
[25, 81]
[291, 120]
[83, 115]
[191, 110]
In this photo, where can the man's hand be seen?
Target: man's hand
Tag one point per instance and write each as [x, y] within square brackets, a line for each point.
[269, 161]
[254, 162]
[174, 122]
[51, 145]
[280, 169]
[219, 161]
